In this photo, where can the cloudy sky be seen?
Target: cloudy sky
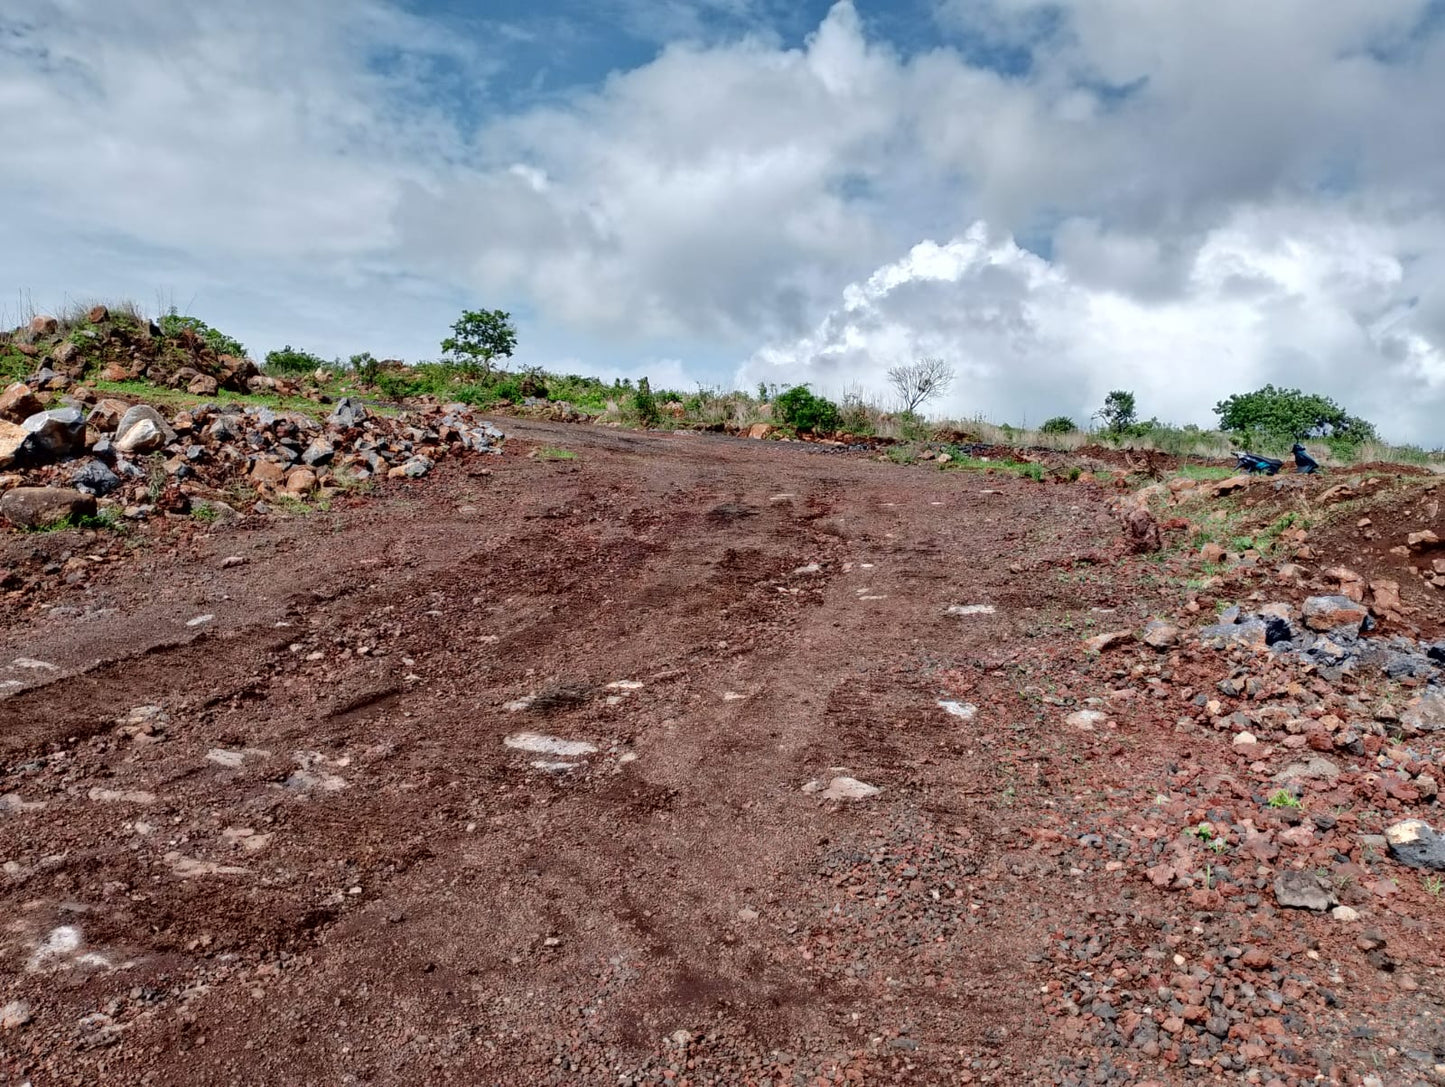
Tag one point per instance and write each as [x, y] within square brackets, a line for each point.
[1060, 198]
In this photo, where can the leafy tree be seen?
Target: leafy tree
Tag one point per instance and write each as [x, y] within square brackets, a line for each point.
[1119, 412]
[802, 410]
[478, 338]
[366, 368]
[173, 324]
[919, 382]
[1059, 424]
[1289, 415]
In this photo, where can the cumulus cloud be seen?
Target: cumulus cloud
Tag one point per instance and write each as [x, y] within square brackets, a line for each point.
[1285, 297]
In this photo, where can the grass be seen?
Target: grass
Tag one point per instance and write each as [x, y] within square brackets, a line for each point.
[107, 520]
[1283, 798]
[1433, 885]
[553, 453]
[180, 400]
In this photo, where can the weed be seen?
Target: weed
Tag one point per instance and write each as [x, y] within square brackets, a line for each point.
[1433, 884]
[205, 513]
[1283, 798]
[551, 453]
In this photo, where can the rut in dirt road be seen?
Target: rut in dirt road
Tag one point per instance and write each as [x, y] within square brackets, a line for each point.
[503, 781]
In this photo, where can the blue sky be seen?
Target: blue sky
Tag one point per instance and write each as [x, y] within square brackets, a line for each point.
[1059, 197]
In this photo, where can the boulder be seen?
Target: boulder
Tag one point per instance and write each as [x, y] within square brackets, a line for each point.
[759, 430]
[11, 439]
[94, 478]
[202, 385]
[53, 435]
[65, 355]
[1422, 541]
[1416, 845]
[267, 472]
[97, 314]
[36, 507]
[18, 403]
[300, 481]
[44, 326]
[1334, 613]
[1229, 486]
[142, 429]
[1102, 642]
[1212, 553]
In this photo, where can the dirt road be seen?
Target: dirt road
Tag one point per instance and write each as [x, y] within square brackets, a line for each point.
[500, 779]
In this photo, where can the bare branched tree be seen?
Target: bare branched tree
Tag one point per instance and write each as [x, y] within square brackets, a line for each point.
[919, 382]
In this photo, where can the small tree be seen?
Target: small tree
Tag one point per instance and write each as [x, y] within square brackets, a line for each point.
[1119, 412]
[919, 382]
[645, 403]
[478, 338]
[1059, 424]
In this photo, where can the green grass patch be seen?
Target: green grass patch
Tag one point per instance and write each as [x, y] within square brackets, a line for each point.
[553, 453]
[180, 400]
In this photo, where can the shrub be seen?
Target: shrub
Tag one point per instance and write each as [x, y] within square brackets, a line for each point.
[1119, 413]
[1059, 424]
[645, 404]
[174, 324]
[292, 360]
[365, 367]
[1288, 415]
[802, 410]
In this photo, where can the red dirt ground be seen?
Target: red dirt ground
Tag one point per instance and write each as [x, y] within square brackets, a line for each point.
[325, 867]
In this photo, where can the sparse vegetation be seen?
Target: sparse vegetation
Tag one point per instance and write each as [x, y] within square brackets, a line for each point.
[293, 360]
[1283, 798]
[1059, 424]
[173, 324]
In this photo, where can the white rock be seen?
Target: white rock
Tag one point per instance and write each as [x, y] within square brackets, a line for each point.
[186, 867]
[199, 620]
[625, 685]
[971, 609]
[1085, 720]
[845, 788]
[1344, 913]
[549, 745]
[15, 1014]
[967, 710]
[811, 568]
[1244, 739]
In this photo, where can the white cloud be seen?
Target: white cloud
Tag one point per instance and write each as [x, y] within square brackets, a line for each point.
[1314, 300]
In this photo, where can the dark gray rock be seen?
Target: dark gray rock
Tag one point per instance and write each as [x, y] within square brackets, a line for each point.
[94, 478]
[52, 435]
[1414, 844]
[349, 412]
[318, 453]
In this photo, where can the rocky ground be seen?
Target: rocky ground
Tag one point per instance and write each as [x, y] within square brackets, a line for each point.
[680, 759]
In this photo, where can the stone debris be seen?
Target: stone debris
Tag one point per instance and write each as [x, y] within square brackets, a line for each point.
[971, 609]
[96, 454]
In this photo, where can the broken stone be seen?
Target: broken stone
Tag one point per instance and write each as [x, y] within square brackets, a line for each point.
[18, 403]
[52, 435]
[1101, 642]
[847, 788]
[1303, 891]
[1158, 634]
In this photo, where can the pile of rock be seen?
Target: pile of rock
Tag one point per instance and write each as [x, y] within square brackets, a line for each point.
[65, 463]
[1327, 632]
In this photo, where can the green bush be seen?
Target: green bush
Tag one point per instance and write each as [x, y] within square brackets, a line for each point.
[645, 404]
[1059, 424]
[479, 337]
[366, 368]
[803, 410]
[174, 324]
[1288, 415]
[292, 360]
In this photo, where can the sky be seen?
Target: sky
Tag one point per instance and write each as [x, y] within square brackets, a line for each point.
[1058, 198]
